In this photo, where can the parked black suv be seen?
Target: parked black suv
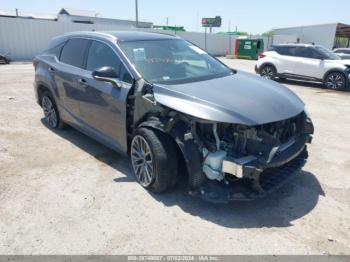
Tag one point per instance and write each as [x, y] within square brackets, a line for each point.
[166, 103]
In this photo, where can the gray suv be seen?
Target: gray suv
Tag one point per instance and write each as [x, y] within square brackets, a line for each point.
[168, 104]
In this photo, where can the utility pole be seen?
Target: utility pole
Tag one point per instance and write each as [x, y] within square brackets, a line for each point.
[136, 13]
[167, 21]
[205, 38]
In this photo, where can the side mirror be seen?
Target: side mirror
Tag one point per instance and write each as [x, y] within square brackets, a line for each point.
[106, 74]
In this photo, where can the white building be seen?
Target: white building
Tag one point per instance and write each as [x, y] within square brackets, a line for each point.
[26, 36]
[91, 17]
[324, 34]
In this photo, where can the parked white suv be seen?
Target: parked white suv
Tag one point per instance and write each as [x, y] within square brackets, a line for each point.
[304, 62]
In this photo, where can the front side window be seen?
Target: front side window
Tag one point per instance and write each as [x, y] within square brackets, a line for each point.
[73, 52]
[100, 55]
[172, 61]
[304, 52]
[328, 54]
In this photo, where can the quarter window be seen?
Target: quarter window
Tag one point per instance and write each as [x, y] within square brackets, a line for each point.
[101, 55]
[73, 52]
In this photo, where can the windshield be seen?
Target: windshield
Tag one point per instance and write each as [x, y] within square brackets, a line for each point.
[327, 53]
[172, 61]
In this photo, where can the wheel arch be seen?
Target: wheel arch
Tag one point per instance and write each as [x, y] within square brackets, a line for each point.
[41, 89]
[267, 64]
[188, 157]
[335, 70]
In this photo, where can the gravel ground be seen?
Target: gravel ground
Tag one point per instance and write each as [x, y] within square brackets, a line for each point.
[63, 193]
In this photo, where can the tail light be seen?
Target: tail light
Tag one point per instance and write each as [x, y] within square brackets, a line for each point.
[262, 55]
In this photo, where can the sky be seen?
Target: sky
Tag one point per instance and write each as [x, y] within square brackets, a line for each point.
[253, 16]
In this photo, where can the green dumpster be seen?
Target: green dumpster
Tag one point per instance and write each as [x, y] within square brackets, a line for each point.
[249, 48]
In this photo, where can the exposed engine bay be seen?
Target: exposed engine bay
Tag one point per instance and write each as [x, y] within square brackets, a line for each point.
[244, 144]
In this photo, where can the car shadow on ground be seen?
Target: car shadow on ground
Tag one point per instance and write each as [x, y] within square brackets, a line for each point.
[279, 209]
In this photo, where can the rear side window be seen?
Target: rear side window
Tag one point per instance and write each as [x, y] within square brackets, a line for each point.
[100, 55]
[73, 52]
[304, 52]
[284, 50]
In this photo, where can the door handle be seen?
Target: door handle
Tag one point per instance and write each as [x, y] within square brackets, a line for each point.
[51, 70]
[82, 81]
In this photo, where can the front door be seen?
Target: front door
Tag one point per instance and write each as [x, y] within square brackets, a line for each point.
[102, 105]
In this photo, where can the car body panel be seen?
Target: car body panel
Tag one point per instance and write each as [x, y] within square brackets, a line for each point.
[103, 107]
[241, 98]
[97, 108]
[284, 64]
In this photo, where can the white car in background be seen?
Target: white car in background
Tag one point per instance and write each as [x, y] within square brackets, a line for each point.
[343, 53]
[304, 62]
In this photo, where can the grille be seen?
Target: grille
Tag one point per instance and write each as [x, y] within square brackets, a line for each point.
[272, 178]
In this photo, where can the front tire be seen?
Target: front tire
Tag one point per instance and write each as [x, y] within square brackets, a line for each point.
[154, 159]
[51, 114]
[268, 72]
[335, 81]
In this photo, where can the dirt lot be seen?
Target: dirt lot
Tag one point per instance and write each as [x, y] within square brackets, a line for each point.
[63, 193]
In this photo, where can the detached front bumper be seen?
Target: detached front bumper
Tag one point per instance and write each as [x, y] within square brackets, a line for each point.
[254, 178]
[246, 189]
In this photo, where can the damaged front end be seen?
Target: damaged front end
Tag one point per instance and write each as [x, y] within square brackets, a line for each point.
[227, 161]
[246, 162]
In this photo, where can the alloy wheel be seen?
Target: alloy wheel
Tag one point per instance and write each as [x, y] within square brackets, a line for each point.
[49, 111]
[335, 81]
[142, 160]
[267, 72]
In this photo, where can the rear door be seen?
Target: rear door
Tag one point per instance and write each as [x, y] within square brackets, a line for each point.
[102, 105]
[66, 73]
[286, 59]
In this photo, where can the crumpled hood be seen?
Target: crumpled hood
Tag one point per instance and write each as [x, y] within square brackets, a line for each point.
[241, 98]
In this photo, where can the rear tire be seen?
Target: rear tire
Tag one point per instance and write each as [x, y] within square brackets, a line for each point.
[335, 81]
[51, 114]
[268, 72]
[154, 159]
